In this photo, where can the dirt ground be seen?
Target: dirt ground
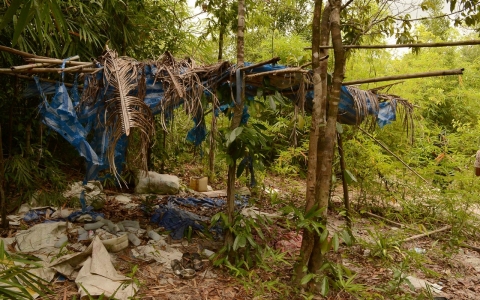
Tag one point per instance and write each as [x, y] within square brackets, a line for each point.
[455, 271]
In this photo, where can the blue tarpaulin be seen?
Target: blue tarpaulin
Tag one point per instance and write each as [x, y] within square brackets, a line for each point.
[83, 126]
[177, 220]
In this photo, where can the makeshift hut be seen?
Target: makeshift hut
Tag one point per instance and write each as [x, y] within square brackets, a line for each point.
[120, 94]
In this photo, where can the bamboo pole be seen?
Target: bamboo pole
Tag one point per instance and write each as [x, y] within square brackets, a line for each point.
[414, 237]
[77, 68]
[275, 72]
[18, 52]
[270, 61]
[30, 66]
[50, 70]
[56, 61]
[406, 76]
[417, 45]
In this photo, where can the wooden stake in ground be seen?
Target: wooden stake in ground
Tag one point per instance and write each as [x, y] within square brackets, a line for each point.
[346, 198]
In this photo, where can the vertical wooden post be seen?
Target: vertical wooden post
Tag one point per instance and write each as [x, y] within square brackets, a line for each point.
[308, 236]
[346, 198]
[236, 119]
[3, 201]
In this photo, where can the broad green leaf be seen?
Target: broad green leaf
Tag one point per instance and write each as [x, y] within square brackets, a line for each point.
[259, 126]
[233, 135]
[273, 106]
[325, 246]
[324, 236]
[259, 93]
[301, 121]
[307, 278]
[235, 243]
[242, 241]
[324, 287]
[339, 128]
[349, 177]
[241, 168]
[335, 242]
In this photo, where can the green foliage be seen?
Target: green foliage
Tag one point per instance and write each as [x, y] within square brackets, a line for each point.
[18, 278]
[243, 252]
[306, 221]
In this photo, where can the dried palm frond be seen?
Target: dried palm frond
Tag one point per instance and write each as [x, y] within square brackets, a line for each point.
[365, 102]
[184, 83]
[124, 109]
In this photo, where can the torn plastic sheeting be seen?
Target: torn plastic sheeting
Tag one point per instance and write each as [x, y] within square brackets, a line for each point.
[97, 275]
[39, 240]
[197, 134]
[176, 220]
[60, 116]
[347, 113]
[36, 213]
[191, 201]
[88, 212]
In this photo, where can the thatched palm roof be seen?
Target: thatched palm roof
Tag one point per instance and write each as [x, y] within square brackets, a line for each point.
[121, 94]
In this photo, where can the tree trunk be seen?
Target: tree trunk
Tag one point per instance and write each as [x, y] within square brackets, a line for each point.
[3, 201]
[307, 241]
[221, 35]
[211, 156]
[324, 167]
[320, 89]
[237, 117]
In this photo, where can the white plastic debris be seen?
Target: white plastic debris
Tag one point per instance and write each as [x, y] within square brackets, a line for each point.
[61, 241]
[153, 235]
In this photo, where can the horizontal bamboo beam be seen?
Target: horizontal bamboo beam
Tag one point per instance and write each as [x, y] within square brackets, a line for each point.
[29, 66]
[417, 45]
[56, 61]
[270, 61]
[81, 69]
[18, 52]
[406, 76]
[281, 71]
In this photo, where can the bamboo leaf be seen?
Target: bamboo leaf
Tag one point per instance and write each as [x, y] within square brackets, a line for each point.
[306, 279]
[273, 106]
[10, 13]
[301, 121]
[349, 177]
[233, 135]
[22, 21]
[339, 128]
[336, 242]
[324, 287]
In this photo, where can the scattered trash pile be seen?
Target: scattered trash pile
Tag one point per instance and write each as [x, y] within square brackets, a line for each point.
[81, 245]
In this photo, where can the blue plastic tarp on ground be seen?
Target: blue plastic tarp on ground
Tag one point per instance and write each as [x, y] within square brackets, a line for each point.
[176, 220]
